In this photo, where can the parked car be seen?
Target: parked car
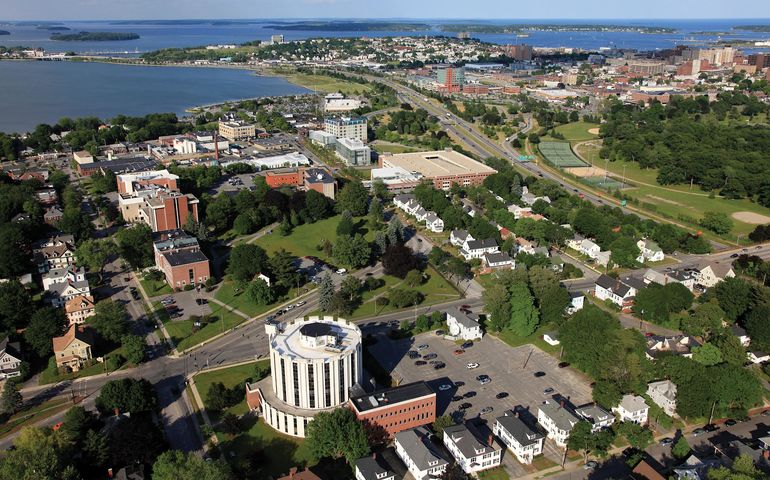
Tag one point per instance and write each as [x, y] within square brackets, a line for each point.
[412, 354]
[422, 347]
[730, 422]
[486, 410]
[465, 406]
[467, 344]
[440, 333]
[459, 383]
[501, 395]
[539, 374]
[563, 364]
[590, 465]
[420, 362]
[698, 431]
[548, 391]
[439, 366]
[667, 441]
[471, 366]
[711, 427]
[341, 271]
[459, 351]
[470, 394]
[430, 356]
[481, 377]
[457, 398]
[201, 301]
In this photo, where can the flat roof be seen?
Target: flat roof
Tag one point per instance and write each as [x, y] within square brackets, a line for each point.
[436, 164]
[391, 396]
[289, 342]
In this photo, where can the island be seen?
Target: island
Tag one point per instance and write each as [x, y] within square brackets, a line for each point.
[94, 37]
[753, 28]
[334, 26]
[4, 32]
[54, 28]
[524, 27]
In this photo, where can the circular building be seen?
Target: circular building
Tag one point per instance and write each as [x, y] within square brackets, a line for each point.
[314, 362]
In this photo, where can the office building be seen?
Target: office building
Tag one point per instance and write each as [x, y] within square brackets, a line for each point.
[397, 409]
[236, 131]
[336, 102]
[353, 152]
[152, 197]
[179, 257]
[346, 127]
[443, 167]
[314, 362]
[450, 79]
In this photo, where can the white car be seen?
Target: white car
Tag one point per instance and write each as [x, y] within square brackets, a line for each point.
[342, 271]
[444, 387]
[471, 366]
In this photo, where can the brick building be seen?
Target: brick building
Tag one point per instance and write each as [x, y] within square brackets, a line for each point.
[153, 197]
[287, 179]
[321, 181]
[180, 258]
[397, 409]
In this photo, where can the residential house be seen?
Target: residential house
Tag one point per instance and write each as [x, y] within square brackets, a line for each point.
[525, 246]
[603, 258]
[674, 345]
[295, 474]
[434, 223]
[557, 420]
[710, 274]
[63, 284]
[649, 251]
[458, 238]
[695, 468]
[621, 292]
[598, 417]
[462, 325]
[518, 211]
[131, 472]
[741, 334]
[52, 215]
[575, 242]
[472, 453]
[645, 471]
[577, 300]
[531, 198]
[477, 248]
[498, 260]
[589, 248]
[374, 468]
[421, 457]
[406, 202]
[663, 394]
[74, 349]
[685, 277]
[55, 252]
[758, 356]
[526, 443]
[10, 359]
[79, 308]
[632, 408]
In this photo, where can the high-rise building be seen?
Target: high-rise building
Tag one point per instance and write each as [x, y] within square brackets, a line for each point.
[353, 152]
[451, 79]
[346, 127]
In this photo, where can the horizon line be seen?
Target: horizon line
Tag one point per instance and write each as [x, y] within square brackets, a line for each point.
[384, 19]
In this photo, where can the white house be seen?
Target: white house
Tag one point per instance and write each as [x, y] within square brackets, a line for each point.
[420, 214]
[575, 242]
[458, 238]
[589, 248]
[757, 356]
[598, 417]
[477, 248]
[464, 326]
[632, 408]
[10, 359]
[523, 441]
[663, 394]
[404, 201]
[421, 458]
[471, 453]
[264, 278]
[498, 260]
[434, 223]
[518, 211]
[712, 273]
[649, 251]
[603, 258]
[577, 300]
[619, 291]
[741, 334]
[63, 275]
[557, 421]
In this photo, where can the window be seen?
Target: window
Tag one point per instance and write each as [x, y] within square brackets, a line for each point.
[311, 384]
[327, 386]
[295, 371]
[283, 380]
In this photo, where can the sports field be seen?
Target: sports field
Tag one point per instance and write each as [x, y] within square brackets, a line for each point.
[560, 154]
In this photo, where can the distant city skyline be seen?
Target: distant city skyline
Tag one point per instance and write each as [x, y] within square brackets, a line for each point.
[393, 9]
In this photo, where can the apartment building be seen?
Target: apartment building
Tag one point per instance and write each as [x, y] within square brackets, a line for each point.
[235, 131]
[346, 127]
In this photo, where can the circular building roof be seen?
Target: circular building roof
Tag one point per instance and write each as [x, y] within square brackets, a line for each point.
[316, 329]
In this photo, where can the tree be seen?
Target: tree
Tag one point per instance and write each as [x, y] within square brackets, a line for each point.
[216, 397]
[96, 448]
[110, 320]
[524, 315]
[135, 245]
[346, 227]
[353, 197]
[758, 327]
[284, 268]
[735, 296]
[17, 306]
[14, 251]
[552, 298]
[127, 395]
[260, 292]
[401, 297]
[11, 400]
[76, 423]
[454, 472]
[325, 292]
[38, 455]
[707, 354]
[705, 321]
[717, 222]
[351, 289]
[134, 348]
[336, 434]
[497, 299]
[45, 324]
[375, 211]
[94, 254]
[581, 438]
[247, 260]
[440, 423]
[352, 251]
[414, 278]
[637, 436]
[318, 205]
[681, 448]
[177, 465]
[137, 439]
[624, 252]
[398, 260]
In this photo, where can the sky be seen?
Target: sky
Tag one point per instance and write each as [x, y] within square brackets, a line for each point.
[433, 9]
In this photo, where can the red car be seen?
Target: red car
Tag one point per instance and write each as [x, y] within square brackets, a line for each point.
[459, 351]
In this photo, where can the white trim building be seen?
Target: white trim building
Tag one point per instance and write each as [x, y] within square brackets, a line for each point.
[472, 453]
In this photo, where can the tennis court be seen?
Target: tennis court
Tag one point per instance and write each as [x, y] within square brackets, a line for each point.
[604, 182]
[560, 154]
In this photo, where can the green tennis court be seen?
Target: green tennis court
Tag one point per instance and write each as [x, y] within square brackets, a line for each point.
[560, 154]
[603, 182]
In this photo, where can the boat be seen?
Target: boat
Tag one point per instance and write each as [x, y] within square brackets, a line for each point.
[522, 35]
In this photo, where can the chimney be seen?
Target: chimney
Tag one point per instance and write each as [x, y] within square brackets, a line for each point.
[292, 472]
[490, 439]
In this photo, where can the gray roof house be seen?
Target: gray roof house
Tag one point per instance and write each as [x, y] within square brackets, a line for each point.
[524, 441]
[471, 452]
[420, 456]
[557, 420]
[375, 468]
[598, 417]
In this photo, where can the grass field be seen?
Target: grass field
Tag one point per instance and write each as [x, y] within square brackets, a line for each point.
[305, 239]
[391, 148]
[498, 473]
[575, 132]
[673, 200]
[325, 84]
[182, 334]
[154, 288]
[435, 289]
[280, 452]
[535, 339]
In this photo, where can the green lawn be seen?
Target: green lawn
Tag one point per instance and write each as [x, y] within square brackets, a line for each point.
[154, 288]
[325, 84]
[240, 301]
[435, 289]
[49, 376]
[498, 473]
[33, 415]
[305, 239]
[535, 339]
[391, 148]
[577, 132]
[181, 331]
[280, 452]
